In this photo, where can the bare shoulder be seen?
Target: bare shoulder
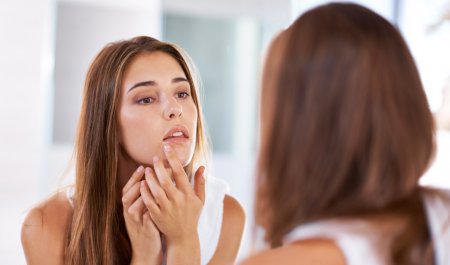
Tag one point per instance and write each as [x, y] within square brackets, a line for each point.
[233, 211]
[233, 221]
[44, 230]
[314, 251]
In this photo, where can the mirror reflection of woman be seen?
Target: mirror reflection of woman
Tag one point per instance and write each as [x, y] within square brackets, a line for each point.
[141, 193]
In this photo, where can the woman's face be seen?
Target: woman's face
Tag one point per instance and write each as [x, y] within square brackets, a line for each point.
[156, 108]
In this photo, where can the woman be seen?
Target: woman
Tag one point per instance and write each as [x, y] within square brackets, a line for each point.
[346, 135]
[140, 144]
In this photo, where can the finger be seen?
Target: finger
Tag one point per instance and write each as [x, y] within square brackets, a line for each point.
[199, 183]
[163, 177]
[135, 178]
[149, 224]
[148, 199]
[148, 221]
[180, 177]
[159, 169]
[136, 210]
[158, 193]
[130, 196]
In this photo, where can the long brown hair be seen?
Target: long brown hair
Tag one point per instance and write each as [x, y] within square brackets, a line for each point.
[97, 234]
[346, 127]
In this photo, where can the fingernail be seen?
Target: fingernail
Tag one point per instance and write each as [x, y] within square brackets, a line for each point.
[167, 148]
[155, 159]
[147, 170]
[140, 169]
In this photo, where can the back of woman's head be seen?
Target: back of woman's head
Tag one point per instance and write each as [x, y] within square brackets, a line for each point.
[346, 128]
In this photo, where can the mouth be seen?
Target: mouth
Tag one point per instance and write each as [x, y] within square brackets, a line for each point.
[177, 134]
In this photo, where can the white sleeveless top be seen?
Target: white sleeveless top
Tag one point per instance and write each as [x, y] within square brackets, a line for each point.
[361, 243]
[210, 222]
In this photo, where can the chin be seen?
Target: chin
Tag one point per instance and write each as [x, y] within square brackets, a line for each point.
[184, 162]
[184, 154]
[185, 159]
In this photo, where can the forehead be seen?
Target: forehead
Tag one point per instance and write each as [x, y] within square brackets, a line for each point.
[153, 65]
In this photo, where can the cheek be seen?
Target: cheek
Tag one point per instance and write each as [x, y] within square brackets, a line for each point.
[191, 115]
[193, 118]
[140, 138]
[142, 150]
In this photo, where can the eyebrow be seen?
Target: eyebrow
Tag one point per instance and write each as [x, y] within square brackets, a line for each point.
[153, 83]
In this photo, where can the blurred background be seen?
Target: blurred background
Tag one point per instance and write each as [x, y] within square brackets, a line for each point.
[47, 46]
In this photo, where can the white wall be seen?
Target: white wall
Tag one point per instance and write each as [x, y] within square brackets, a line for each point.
[25, 29]
[429, 42]
[429, 45]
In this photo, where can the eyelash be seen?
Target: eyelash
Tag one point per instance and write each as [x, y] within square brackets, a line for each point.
[185, 95]
[141, 101]
[144, 101]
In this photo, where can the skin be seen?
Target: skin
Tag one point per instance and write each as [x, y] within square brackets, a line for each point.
[157, 196]
[314, 251]
[155, 97]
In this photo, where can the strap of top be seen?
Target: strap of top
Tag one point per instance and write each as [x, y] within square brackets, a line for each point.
[69, 193]
[438, 214]
[350, 236]
[210, 222]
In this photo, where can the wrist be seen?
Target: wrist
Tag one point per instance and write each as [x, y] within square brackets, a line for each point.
[184, 250]
[134, 262]
[184, 241]
[147, 258]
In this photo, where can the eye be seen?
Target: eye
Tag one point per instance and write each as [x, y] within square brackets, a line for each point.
[146, 101]
[182, 95]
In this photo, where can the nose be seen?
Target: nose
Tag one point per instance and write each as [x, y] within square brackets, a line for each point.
[172, 109]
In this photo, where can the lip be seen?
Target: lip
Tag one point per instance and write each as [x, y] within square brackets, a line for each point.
[177, 128]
